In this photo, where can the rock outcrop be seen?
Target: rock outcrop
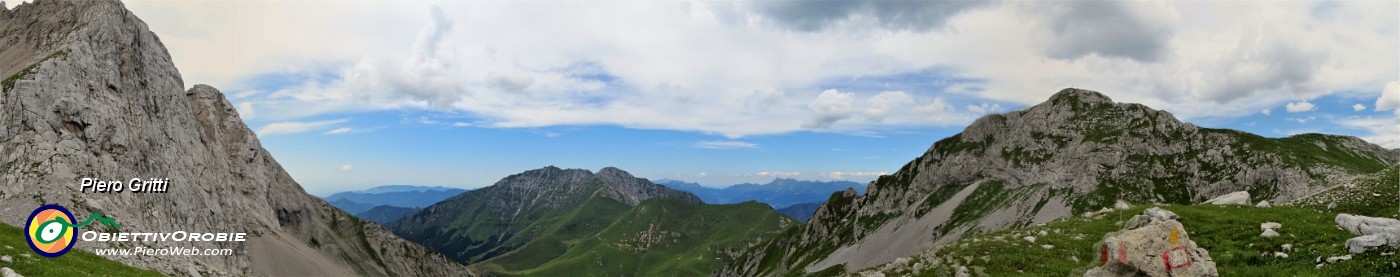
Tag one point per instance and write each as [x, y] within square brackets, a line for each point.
[1077, 152]
[1372, 232]
[1153, 243]
[1234, 198]
[92, 93]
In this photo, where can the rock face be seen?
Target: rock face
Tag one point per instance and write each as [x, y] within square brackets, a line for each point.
[1077, 152]
[1372, 232]
[1153, 243]
[1234, 198]
[92, 93]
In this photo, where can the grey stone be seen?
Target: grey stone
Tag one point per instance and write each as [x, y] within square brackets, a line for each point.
[1372, 232]
[1234, 198]
[1269, 233]
[1263, 204]
[7, 272]
[1270, 225]
[1139, 250]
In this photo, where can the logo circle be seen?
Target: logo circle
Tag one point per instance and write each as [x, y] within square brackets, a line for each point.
[49, 230]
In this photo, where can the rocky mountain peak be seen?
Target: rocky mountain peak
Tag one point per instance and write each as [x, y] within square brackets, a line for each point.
[1074, 96]
[90, 92]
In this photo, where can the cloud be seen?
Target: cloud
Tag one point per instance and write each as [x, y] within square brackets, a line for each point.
[339, 131]
[829, 107]
[740, 69]
[777, 174]
[1300, 106]
[849, 175]
[245, 110]
[297, 127]
[1266, 112]
[346, 168]
[1390, 98]
[725, 144]
[1384, 131]
[898, 15]
[1076, 29]
[1358, 107]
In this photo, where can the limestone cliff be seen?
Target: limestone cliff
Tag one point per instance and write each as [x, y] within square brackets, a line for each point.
[90, 92]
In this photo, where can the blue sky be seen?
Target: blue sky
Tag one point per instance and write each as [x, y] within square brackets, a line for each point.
[463, 93]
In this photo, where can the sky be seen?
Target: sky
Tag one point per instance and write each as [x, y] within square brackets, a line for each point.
[351, 95]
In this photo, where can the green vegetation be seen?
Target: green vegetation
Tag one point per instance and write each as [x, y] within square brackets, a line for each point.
[1230, 233]
[74, 263]
[9, 82]
[663, 236]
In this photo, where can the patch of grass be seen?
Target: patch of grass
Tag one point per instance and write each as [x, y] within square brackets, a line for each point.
[9, 82]
[1230, 233]
[74, 263]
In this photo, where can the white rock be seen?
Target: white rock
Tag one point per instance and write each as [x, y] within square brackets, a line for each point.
[1288, 247]
[962, 272]
[1270, 225]
[1234, 198]
[1074, 258]
[1263, 204]
[7, 272]
[1030, 239]
[1121, 205]
[1332, 205]
[872, 274]
[1336, 259]
[1372, 232]
[7, 259]
[1280, 255]
[1269, 233]
[1047, 246]
[1043, 233]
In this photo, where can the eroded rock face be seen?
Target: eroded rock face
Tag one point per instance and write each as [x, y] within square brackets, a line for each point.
[102, 99]
[1372, 232]
[1153, 243]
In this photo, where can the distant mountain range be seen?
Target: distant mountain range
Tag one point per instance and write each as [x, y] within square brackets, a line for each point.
[573, 222]
[403, 196]
[779, 193]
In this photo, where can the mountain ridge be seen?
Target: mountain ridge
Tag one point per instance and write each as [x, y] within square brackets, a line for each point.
[1077, 151]
[92, 92]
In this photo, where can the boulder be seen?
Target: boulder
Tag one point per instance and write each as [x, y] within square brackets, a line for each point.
[1153, 243]
[1263, 204]
[1234, 198]
[1121, 205]
[7, 272]
[1371, 232]
[1269, 233]
[1270, 225]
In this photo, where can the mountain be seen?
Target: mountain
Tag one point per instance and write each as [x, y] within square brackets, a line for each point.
[1079, 151]
[801, 211]
[356, 202]
[779, 193]
[90, 92]
[553, 221]
[384, 214]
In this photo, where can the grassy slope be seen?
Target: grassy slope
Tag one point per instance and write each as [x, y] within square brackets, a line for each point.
[689, 240]
[75, 263]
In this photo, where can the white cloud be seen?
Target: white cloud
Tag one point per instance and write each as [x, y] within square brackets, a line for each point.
[245, 110]
[740, 69]
[702, 174]
[1385, 131]
[297, 127]
[1358, 107]
[346, 168]
[1300, 106]
[1390, 98]
[777, 174]
[339, 131]
[1266, 112]
[725, 144]
[853, 175]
